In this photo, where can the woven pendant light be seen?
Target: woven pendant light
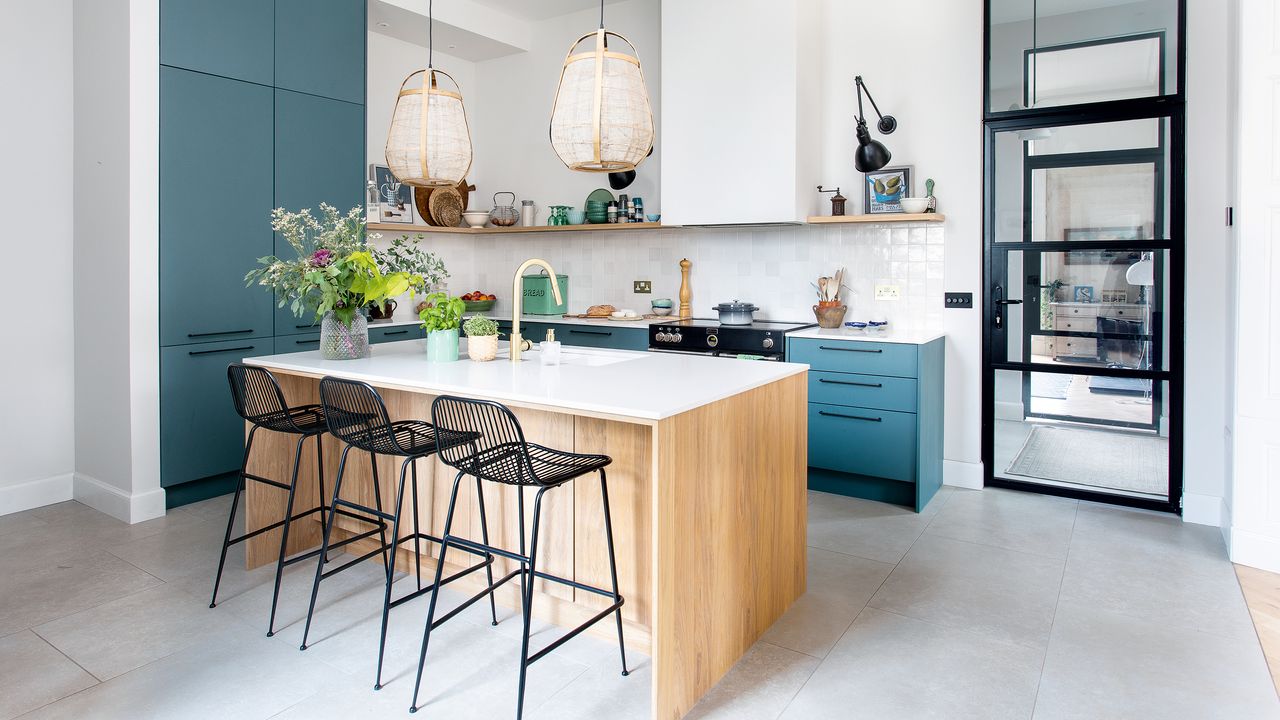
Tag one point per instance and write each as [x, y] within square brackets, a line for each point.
[429, 143]
[601, 120]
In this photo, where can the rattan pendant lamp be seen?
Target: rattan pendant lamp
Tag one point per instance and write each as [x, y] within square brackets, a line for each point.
[601, 120]
[429, 143]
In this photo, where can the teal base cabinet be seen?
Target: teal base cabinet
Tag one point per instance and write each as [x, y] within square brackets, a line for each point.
[875, 417]
[596, 336]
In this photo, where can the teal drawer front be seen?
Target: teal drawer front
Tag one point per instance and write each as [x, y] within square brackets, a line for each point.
[231, 38]
[604, 337]
[867, 391]
[289, 324]
[395, 333]
[854, 356]
[297, 343]
[880, 443]
[320, 48]
[200, 433]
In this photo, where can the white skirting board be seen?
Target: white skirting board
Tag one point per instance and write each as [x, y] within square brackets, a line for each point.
[107, 498]
[1255, 550]
[962, 474]
[1204, 509]
[35, 493]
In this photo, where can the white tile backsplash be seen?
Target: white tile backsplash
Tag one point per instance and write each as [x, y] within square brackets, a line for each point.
[771, 267]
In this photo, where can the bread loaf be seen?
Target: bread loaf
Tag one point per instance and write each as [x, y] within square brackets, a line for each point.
[601, 310]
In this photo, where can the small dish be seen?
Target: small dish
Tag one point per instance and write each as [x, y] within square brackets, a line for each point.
[662, 309]
[914, 205]
[856, 326]
[653, 218]
[476, 218]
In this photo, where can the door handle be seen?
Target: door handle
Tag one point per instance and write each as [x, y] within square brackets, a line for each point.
[861, 350]
[394, 332]
[1008, 302]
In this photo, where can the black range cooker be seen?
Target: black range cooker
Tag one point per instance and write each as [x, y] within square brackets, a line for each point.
[760, 340]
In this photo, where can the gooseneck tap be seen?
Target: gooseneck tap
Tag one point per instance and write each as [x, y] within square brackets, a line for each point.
[518, 343]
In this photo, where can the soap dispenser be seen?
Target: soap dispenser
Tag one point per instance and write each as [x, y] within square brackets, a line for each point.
[549, 349]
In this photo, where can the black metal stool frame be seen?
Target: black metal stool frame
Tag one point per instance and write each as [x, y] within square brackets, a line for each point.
[474, 464]
[273, 413]
[375, 418]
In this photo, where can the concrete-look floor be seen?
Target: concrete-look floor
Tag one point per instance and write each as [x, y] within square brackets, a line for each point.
[989, 605]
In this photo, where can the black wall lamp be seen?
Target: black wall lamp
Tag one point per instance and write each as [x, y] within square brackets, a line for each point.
[871, 155]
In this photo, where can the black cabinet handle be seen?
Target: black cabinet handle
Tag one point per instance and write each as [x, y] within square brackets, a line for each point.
[850, 382]
[224, 350]
[591, 332]
[849, 417]
[306, 342]
[394, 332]
[223, 332]
[824, 347]
[302, 327]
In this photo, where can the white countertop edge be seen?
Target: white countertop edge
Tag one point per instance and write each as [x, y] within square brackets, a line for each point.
[554, 319]
[906, 336]
[282, 362]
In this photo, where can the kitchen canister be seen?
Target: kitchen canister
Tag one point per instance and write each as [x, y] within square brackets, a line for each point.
[538, 298]
[528, 213]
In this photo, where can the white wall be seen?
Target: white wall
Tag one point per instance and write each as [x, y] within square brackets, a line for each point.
[36, 452]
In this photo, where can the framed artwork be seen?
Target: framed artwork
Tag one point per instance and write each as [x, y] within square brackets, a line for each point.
[1115, 297]
[1082, 293]
[883, 190]
[395, 199]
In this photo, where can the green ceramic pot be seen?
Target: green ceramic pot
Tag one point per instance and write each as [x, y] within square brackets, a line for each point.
[442, 345]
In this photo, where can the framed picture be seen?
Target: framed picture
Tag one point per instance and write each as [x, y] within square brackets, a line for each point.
[883, 190]
[1115, 297]
[1082, 293]
[395, 199]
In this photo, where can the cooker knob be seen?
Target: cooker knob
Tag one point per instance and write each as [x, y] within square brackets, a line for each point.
[662, 337]
[712, 340]
[675, 337]
[768, 343]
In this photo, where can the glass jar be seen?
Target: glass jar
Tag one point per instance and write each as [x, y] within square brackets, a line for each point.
[339, 341]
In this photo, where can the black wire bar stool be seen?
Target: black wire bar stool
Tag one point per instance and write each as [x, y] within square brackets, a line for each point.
[356, 414]
[501, 454]
[259, 401]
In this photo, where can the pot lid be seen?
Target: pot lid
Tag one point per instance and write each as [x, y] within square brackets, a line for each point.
[735, 306]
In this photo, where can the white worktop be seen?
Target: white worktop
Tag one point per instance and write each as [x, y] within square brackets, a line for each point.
[905, 335]
[527, 318]
[640, 385]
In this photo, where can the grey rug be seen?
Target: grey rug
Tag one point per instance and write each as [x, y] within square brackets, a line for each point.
[1050, 385]
[1111, 459]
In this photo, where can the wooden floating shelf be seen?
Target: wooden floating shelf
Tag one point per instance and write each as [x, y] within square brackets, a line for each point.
[882, 218]
[398, 228]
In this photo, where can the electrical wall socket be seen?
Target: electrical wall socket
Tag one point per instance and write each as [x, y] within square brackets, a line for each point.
[642, 286]
[888, 292]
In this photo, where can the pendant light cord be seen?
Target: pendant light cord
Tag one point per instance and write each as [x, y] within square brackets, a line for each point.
[601, 14]
[431, 29]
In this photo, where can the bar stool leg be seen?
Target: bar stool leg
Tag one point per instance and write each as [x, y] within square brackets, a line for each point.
[231, 518]
[284, 535]
[528, 602]
[391, 572]
[377, 500]
[324, 545]
[613, 567]
[484, 538]
[320, 481]
[435, 595]
[417, 529]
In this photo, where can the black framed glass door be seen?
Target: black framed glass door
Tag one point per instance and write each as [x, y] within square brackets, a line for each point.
[1083, 264]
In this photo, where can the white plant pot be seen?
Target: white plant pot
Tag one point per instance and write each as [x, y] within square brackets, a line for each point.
[483, 348]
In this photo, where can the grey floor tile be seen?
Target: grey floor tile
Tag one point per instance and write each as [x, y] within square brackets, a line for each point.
[21, 522]
[758, 687]
[1031, 523]
[65, 584]
[1003, 594]
[601, 691]
[1157, 568]
[174, 555]
[33, 674]
[871, 530]
[113, 638]
[839, 586]
[1103, 664]
[888, 666]
[239, 675]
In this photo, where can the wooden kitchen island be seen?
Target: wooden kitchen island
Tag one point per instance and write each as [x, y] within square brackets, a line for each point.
[706, 489]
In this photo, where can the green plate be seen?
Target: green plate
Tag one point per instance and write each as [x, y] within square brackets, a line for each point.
[600, 195]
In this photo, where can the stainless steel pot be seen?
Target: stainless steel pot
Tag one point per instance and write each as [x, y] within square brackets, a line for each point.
[735, 313]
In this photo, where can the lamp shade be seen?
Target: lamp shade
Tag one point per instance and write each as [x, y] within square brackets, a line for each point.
[601, 120]
[1141, 272]
[871, 155]
[429, 144]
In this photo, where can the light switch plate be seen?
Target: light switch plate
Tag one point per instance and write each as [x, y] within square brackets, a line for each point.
[642, 286]
[888, 292]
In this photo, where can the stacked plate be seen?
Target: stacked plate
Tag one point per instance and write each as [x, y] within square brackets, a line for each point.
[597, 206]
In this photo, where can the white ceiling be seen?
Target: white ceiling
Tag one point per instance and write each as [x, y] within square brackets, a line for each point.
[540, 9]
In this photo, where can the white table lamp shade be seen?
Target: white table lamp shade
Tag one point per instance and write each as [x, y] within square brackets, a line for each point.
[601, 120]
[432, 148]
[1141, 273]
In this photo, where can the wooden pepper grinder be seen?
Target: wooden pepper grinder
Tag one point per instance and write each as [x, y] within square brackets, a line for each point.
[686, 290]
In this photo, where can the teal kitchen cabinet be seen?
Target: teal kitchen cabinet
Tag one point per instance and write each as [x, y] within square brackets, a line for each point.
[297, 343]
[215, 191]
[875, 417]
[231, 38]
[612, 338]
[320, 48]
[319, 157]
[395, 333]
[200, 434]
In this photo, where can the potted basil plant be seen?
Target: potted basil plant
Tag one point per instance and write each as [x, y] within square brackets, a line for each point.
[482, 338]
[441, 317]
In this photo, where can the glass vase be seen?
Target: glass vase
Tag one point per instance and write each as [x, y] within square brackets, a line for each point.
[339, 341]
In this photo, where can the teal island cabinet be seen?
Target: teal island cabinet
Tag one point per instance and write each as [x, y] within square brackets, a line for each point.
[875, 413]
[592, 333]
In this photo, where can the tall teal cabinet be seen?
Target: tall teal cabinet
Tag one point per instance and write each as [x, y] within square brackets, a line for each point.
[875, 417]
[262, 105]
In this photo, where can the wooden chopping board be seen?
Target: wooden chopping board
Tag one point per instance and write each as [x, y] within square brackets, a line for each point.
[422, 200]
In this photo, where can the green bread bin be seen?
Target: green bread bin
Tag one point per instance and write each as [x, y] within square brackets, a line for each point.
[538, 298]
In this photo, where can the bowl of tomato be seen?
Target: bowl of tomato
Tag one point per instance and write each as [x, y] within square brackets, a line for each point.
[479, 302]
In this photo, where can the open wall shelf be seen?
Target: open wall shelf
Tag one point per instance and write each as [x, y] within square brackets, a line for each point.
[399, 228]
[881, 218]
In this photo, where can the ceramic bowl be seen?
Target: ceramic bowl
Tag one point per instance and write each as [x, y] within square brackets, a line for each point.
[659, 310]
[476, 219]
[576, 217]
[653, 218]
[915, 205]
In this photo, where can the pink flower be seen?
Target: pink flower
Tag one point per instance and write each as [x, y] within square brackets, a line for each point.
[321, 258]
